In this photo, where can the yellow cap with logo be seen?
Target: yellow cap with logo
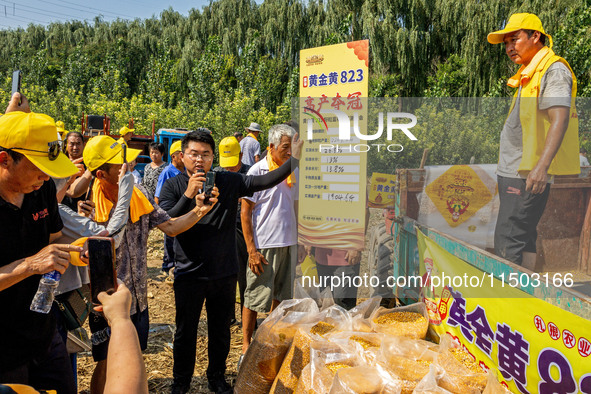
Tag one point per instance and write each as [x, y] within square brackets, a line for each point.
[522, 21]
[124, 130]
[104, 149]
[229, 152]
[35, 136]
[175, 147]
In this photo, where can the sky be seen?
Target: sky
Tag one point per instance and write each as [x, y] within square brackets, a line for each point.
[21, 13]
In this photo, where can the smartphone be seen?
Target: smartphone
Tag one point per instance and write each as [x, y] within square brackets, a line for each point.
[89, 192]
[101, 264]
[16, 82]
[208, 186]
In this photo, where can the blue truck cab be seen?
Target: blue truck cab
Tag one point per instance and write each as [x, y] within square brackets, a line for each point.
[167, 137]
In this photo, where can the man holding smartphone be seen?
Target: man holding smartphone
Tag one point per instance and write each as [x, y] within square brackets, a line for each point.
[32, 353]
[206, 259]
[104, 158]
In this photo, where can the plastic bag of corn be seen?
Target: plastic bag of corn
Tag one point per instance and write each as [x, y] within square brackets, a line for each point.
[364, 379]
[361, 313]
[411, 321]
[296, 359]
[464, 374]
[368, 343]
[429, 383]
[330, 320]
[270, 343]
[326, 359]
[407, 359]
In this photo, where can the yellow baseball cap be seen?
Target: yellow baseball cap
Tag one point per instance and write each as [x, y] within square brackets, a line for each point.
[61, 127]
[175, 147]
[35, 136]
[229, 152]
[104, 149]
[124, 130]
[518, 22]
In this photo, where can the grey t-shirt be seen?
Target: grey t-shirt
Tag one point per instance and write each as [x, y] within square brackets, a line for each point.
[250, 148]
[555, 90]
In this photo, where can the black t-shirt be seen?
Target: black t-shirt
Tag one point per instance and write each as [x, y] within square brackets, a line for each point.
[24, 232]
[243, 170]
[208, 249]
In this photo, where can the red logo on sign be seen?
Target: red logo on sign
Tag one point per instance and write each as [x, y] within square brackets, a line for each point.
[553, 331]
[305, 82]
[568, 339]
[540, 324]
[584, 347]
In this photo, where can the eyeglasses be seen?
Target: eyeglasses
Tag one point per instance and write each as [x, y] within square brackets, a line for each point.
[202, 156]
[53, 150]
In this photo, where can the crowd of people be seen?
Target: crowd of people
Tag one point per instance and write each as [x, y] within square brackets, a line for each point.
[55, 189]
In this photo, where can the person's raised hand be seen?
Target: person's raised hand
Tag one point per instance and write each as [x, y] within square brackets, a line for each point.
[195, 184]
[123, 171]
[297, 145]
[115, 306]
[18, 102]
[54, 257]
[353, 257]
[86, 208]
[79, 163]
[201, 207]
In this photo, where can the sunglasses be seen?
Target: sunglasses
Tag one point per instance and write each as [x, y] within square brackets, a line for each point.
[53, 150]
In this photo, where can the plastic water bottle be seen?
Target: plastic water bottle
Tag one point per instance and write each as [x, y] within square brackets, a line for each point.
[44, 297]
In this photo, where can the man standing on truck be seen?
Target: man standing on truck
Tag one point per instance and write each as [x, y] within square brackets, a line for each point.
[540, 136]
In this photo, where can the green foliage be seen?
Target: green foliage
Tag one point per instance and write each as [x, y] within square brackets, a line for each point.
[455, 130]
[236, 61]
[450, 80]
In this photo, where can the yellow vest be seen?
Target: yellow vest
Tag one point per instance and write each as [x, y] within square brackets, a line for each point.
[535, 123]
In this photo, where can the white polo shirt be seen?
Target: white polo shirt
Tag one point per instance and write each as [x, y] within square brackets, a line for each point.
[273, 218]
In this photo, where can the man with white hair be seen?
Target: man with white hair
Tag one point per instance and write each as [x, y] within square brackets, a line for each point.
[270, 231]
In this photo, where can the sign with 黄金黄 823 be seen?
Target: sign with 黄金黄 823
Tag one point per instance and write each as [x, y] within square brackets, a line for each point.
[332, 197]
[346, 76]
